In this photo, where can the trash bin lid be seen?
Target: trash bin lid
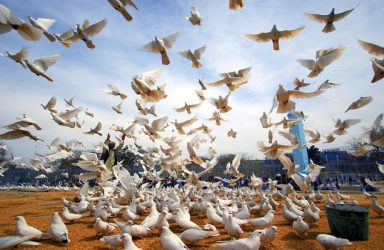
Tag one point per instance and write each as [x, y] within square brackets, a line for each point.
[347, 208]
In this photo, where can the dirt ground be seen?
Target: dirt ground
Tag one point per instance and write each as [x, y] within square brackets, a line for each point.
[37, 208]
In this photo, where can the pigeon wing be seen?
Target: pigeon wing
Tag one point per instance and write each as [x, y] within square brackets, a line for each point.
[377, 122]
[245, 71]
[343, 14]
[310, 133]
[71, 113]
[159, 123]
[287, 147]
[199, 52]
[261, 37]
[317, 17]
[185, 170]
[113, 88]
[195, 130]
[326, 59]
[192, 106]
[131, 3]
[169, 40]
[45, 22]
[351, 122]
[151, 76]
[151, 47]
[55, 142]
[290, 137]
[86, 24]
[4, 28]
[22, 54]
[185, 53]
[28, 32]
[7, 16]
[219, 82]
[70, 36]
[372, 48]
[195, 11]
[287, 163]
[236, 161]
[287, 34]
[96, 28]
[275, 103]
[67, 34]
[182, 109]
[308, 63]
[13, 134]
[188, 122]
[98, 127]
[300, 94]
[46, 62]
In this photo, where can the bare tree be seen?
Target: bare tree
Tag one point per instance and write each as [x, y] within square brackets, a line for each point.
[356, 142]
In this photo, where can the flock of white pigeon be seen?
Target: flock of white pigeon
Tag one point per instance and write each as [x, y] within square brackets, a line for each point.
[219, 205]
[226, 208]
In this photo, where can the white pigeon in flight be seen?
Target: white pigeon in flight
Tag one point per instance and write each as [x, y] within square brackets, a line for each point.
[359, 103]
[41, 65]
[119, 5]
[232, 133]
[18, 57]
[23, 122]
[194, 56]
[43, 24]
[195, 17]
[62, 38]
[342, 126]
[117, 108]
[329, 19]
[85, 31]
[160, 45]
[64, 119]
[372, 48]
[18, 133]
[9, 21]
[282, 99]
[95, 130]
[234, 4]
[156, 126]
[115, 91]
[378, 69]
[233, 79]
[323, 59]
[144, 85]
[275, 35]
[50, 106]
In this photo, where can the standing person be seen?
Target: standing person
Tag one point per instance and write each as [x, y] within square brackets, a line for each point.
[109, 155]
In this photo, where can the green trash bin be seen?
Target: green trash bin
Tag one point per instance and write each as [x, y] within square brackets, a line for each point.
[348, 221]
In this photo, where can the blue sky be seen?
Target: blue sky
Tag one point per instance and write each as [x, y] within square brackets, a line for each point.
[84, 73]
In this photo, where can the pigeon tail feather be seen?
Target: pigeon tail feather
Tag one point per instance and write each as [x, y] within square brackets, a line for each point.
[329, 27]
